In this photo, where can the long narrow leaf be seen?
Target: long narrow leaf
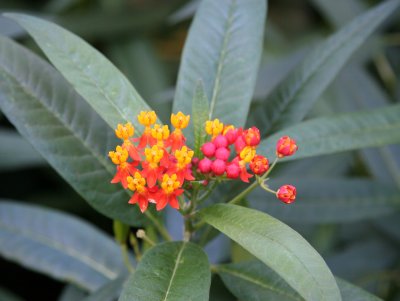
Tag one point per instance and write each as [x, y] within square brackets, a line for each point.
[278, 246]
[223, 50]
[340, 133]
[100, 83]
[292, 100]
[63, 128]
[57, 244]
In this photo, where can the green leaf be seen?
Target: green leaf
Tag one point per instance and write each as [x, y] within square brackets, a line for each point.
[23, 154]
[329, 200]
[62, 128]
[252, 280]
[58, 244]
[170, 271]
[343, 132]
[108, 292]
[292, 100]
[223, 50]
[351, 292]
[138, 60]
[71, 292]
[100, 83]
[200, 111]
[278, 246]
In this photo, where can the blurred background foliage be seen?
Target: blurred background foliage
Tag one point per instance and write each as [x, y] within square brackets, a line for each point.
[144, 38]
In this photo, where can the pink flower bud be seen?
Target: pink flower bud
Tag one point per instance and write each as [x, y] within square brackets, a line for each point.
[233, 171]
[239, 144]
[205, 165]
[218, 167]
[195, 161]
[285, 146]
[222, 153]
[220, 141]
[208, 149]
[286, 193]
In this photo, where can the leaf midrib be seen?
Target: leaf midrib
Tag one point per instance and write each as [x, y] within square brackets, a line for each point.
[221, 59]
[177, 262]
[64, 249]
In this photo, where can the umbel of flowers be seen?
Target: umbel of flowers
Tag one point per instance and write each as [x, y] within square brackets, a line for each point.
[158, 166]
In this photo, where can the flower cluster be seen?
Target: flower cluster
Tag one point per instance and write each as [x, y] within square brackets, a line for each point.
[156, 165]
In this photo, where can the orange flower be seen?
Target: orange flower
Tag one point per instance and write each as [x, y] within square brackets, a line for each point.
[214, 127]
[252, 136]
[151, 169]
[259, 165]
[146, 119]
[170, 190]
[124, 168]
[141, 195]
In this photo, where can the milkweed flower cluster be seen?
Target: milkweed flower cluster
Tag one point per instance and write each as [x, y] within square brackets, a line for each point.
[157, 165]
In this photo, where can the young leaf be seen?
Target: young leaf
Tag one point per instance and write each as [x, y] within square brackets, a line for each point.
[177, 271]
[63, 128]
[223, 50]
[58, 244]
[351, 292]
[278, 246]
[100, 83]
[329, 200]
[292, 100]
[252, 281]
[339, 133]
[200, 113]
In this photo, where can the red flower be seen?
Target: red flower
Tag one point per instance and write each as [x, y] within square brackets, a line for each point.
[259, 165]
[169, 192]
[252, 136]
[286, 193]
[285, 146]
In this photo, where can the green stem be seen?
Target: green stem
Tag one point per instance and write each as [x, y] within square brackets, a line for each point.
[161, 229]
[125, 256]
[253, 185]
[207, 193]
[135, 247]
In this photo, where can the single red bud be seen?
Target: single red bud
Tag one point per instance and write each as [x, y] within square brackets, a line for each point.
[233, 171]
[218, 167]
[259, 165]
[252, 136]
[204, 182]
[220, 141]
[205, 165]
[195, 161]
[208, 149]
[286, 146]
[286, 193]
[232, 135]
[239, 144]
[222, 153]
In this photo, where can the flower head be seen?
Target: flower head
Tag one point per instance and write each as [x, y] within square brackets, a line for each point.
[125, 131]
[286, 193]
[259, 165]
[286, 146]
[214, 127]
[180, 120]
[147, 118]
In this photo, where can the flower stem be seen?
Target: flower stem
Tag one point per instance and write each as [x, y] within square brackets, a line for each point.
[161, 229]
[125, 256]
[253, 185]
